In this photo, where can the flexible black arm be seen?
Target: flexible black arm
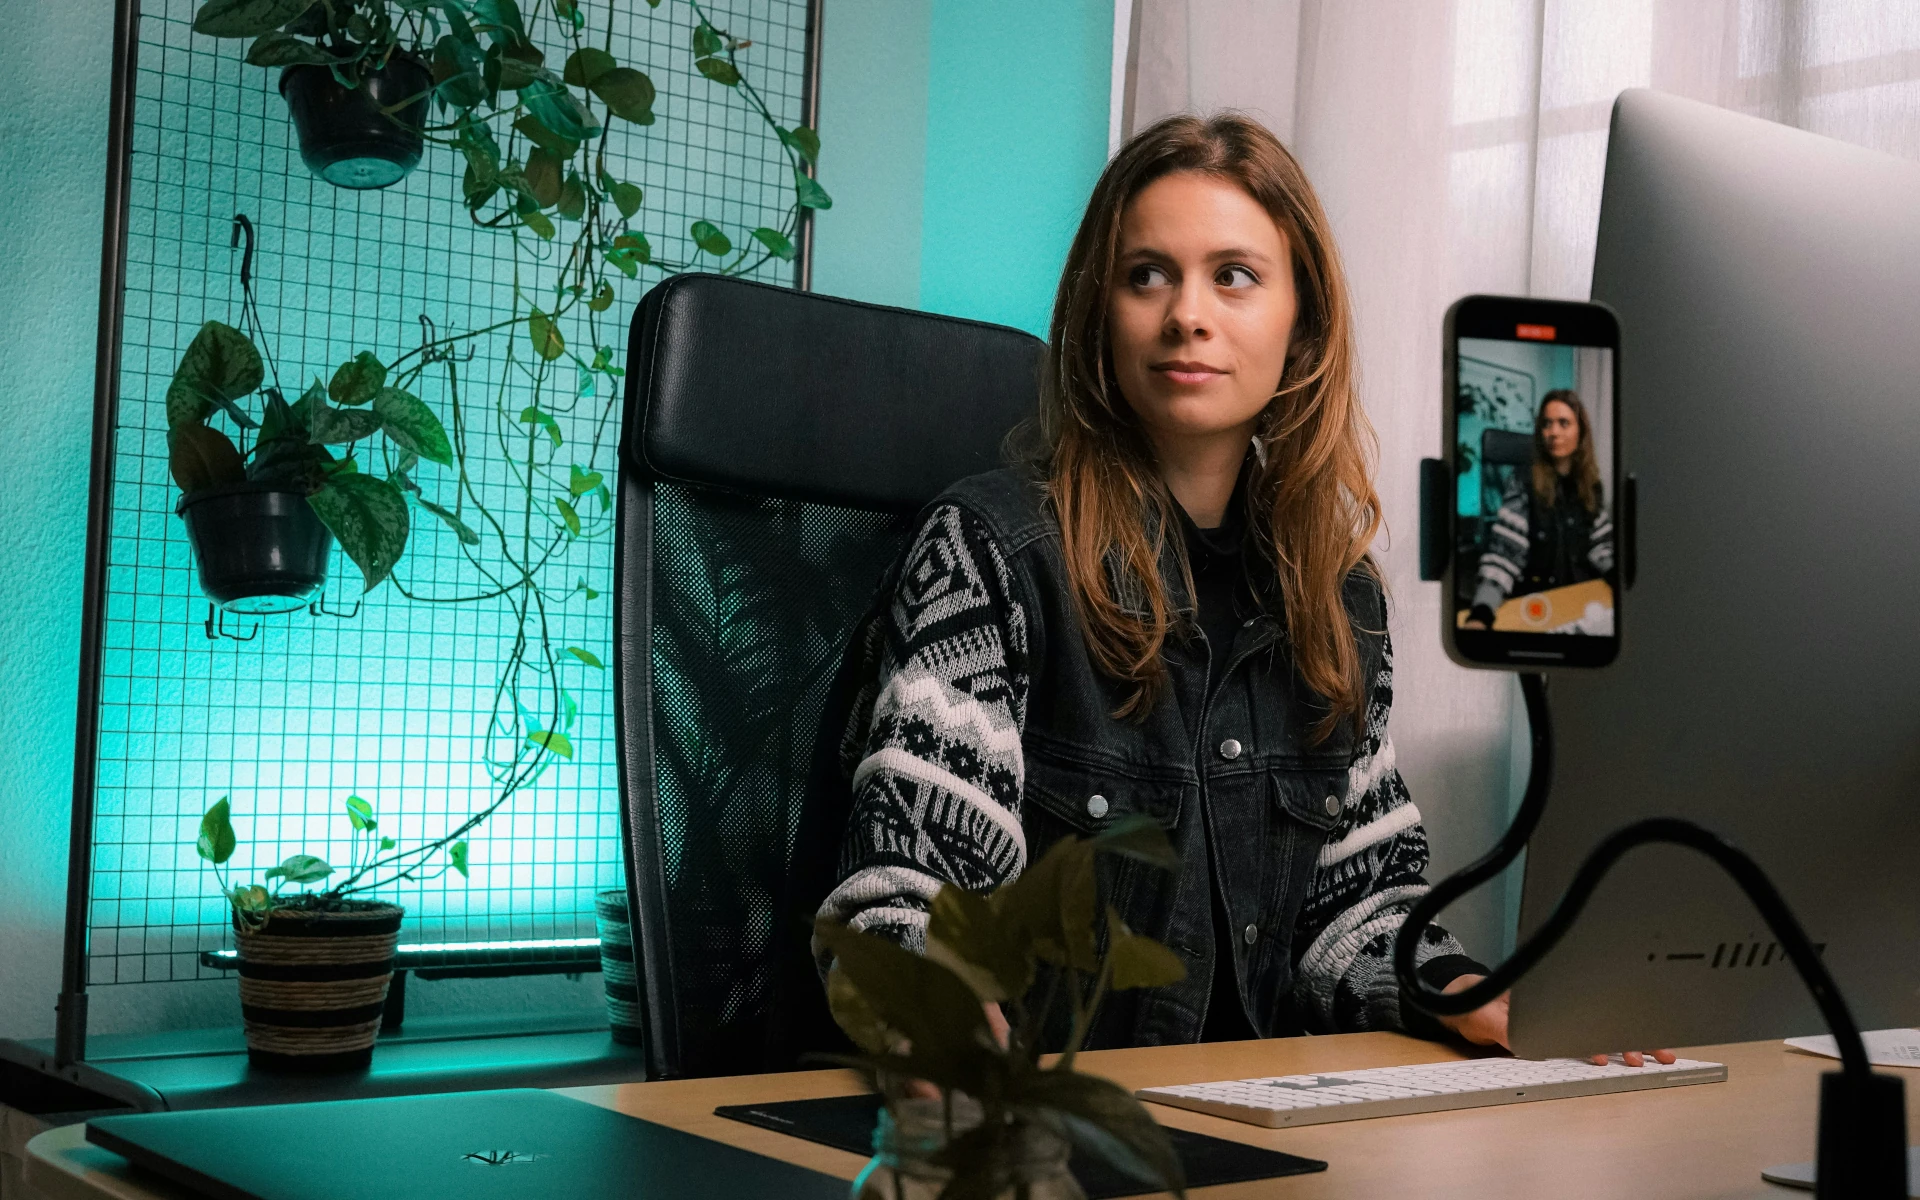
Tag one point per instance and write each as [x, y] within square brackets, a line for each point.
[1747, 873]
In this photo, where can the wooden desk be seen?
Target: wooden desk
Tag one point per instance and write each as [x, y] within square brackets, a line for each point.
[1706, 1141]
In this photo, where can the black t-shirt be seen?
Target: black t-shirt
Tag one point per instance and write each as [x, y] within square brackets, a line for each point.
[1223, 599]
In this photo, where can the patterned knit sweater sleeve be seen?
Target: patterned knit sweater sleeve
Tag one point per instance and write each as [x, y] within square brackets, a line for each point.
[933, 743]
[1369, 874]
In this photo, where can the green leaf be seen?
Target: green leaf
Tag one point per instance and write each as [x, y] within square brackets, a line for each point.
[500, 17]
[926, 1002]
[573, 198]
[586, 65]
[588, 657]
[626, 198]
[775, 241]
[358, 381]
[199, 457]
[802, 141]
[360, 814]
[412, 425]
[538, 223]
[387, 843]
[369, 517]
[811, 194]
[602, 298]
[532, 415]
[543, 177]
[329, 426]
[719, 70]
[547, 342]
[458, 75]
[1141, 839]
[460, 528]
[1053, 903]
[968, 927]
[246, 18]
[580, 585]
[581, 482]
[301, 868]
[216, 833]
[276, 49]
[555, 107]
[552, 741]
[1139, 962]
[856, 1017]
[250, 899]
[706, 40]
[708, 237]
[457, 855]
[569, 11]
[220, 365]
[627, 93]
[568, 515]
[546, 139]
[634, 245]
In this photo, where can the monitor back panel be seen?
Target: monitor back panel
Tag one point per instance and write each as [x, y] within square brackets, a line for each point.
[1768, 686]
[501, 1145]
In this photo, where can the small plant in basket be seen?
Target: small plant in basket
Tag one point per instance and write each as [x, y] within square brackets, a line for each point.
[1003, 1122]
[315, 964]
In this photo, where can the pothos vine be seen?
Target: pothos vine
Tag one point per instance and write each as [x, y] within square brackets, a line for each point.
[536, 168]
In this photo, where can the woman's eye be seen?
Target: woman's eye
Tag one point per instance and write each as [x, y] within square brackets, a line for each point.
[1146, 276]
[1236, 277]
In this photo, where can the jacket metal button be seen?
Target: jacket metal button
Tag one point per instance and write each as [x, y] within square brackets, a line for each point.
[1230, 749]
[1096, 806]
[1250, 934]
[1333, 806]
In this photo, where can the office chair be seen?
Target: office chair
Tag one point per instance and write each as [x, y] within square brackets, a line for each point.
[775, 448]
[1502, 451]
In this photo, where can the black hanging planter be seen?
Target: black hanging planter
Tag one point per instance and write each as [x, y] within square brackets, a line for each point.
[346, 137]
[259, 546]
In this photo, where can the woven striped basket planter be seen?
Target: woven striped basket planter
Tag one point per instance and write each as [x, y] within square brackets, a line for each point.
[313, 985]
[616, 967]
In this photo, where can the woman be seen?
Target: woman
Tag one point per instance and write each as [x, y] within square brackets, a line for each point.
[1170, 610]
[1553, 528]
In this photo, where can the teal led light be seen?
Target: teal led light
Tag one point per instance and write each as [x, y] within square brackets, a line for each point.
[576, 943]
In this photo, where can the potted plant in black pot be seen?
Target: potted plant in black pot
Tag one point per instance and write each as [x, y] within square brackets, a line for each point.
[354, 75]
[263, 521]
[315, 965]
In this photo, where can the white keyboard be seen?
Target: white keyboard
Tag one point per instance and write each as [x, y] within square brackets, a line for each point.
[1288, 1100]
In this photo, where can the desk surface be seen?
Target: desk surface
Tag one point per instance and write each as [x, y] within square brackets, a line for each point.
[1709, 1140]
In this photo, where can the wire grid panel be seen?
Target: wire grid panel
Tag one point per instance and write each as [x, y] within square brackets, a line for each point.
[375, 695]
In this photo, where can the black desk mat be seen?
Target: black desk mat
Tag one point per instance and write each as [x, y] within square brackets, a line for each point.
[846, 1123]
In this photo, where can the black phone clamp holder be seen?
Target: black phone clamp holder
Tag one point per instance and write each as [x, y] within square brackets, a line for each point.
[1862, 1147]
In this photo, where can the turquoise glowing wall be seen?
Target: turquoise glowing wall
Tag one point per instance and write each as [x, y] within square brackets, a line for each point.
[962, 138]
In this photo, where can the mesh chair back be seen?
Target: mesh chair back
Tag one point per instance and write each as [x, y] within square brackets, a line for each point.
[776, 446]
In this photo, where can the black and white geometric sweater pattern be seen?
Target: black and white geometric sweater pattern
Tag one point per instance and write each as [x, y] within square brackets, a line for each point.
[933, 750]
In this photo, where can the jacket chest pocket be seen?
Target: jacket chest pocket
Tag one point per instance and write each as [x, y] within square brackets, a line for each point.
[1084, 797]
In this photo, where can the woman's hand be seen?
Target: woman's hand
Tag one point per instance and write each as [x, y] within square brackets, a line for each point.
[1487, 1026]
[1484, 1026]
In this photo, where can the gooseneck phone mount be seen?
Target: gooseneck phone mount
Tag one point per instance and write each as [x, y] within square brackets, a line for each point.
[1862, 1145]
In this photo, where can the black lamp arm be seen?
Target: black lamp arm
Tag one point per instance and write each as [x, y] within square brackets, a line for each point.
[1745, 872]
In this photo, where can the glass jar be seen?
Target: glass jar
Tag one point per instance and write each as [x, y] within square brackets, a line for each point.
[911, 1132]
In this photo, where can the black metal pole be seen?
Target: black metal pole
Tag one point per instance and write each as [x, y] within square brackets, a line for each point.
[70, 1028]
[810, 117]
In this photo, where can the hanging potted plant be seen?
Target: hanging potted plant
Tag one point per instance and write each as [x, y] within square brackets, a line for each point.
[355, 80]
[262, 523]
[1002, 1125]
[315, 965]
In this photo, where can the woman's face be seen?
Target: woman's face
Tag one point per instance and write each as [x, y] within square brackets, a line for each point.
[1201, 309]
[1560, 431]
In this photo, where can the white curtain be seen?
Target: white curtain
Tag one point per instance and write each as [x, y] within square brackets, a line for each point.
[1459, 147]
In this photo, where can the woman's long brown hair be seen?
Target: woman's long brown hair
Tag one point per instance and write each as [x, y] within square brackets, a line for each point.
[1585, 471]
[1310, 497]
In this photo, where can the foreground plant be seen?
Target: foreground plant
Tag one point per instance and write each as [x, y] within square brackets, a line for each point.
[1032, 946]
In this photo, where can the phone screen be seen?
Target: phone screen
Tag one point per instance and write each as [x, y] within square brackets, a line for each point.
[1537, 551]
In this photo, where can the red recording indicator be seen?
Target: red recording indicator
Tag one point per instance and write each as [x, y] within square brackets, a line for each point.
[1534, 333]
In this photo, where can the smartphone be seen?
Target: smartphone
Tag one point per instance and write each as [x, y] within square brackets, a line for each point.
[1535, 550]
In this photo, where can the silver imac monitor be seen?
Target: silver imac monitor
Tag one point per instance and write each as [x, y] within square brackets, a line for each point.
[1767, 283]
